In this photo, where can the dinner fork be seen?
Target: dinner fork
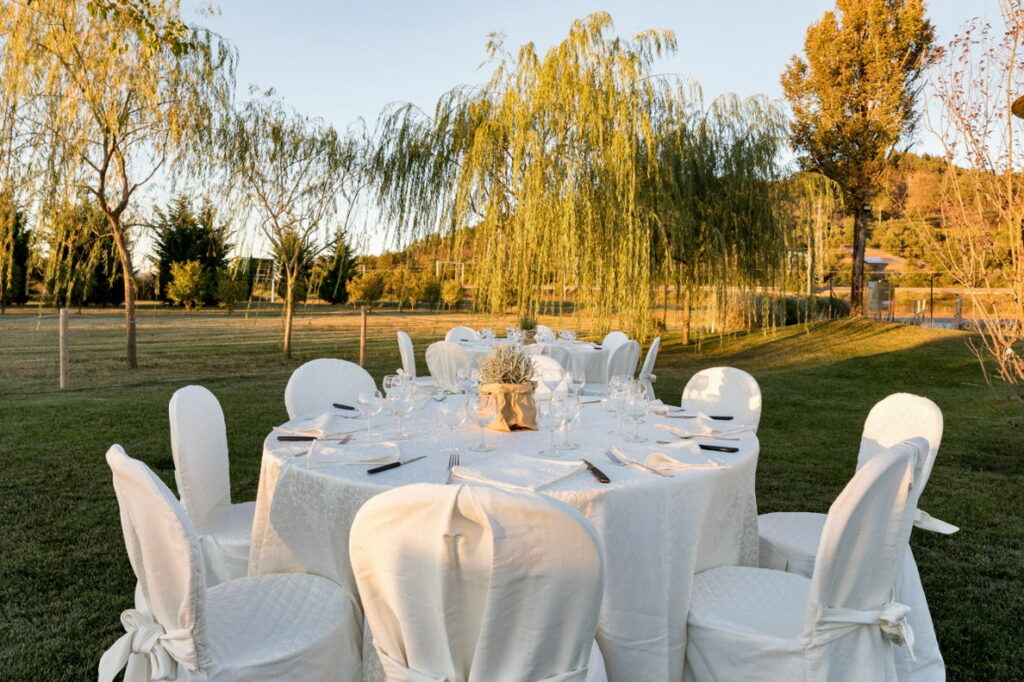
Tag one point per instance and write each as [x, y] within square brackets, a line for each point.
[453, 461]
[631, 462]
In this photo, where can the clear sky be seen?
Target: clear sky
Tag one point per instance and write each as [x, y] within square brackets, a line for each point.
[346, 59]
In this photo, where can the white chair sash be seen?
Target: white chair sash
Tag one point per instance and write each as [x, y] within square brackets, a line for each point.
[145, 640]
[926, 521]
[891, 618]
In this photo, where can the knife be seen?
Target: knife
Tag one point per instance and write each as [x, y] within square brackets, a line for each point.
[598, 474]
[299, 439]
[393, 465]
[343, 406]
[718, 448]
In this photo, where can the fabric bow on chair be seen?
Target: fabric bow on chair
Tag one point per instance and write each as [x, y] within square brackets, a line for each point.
[891, 618]
[144, 641]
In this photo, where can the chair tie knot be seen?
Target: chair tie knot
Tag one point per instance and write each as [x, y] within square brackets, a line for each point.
[892, 618]
[144, 637]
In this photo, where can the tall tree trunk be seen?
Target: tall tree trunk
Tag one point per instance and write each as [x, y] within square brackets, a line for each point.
[289, 305]
[810, 256]
[688, 297]
[860, 238]
[125, 257]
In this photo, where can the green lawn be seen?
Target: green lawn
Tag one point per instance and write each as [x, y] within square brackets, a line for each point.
[64, 575]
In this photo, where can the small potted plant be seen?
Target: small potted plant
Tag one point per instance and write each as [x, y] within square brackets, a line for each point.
[506, 375]
[529, 327]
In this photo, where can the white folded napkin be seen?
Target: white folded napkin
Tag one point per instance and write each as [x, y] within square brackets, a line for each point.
[324, 454]
[321, 426]
[686, 456]
[513, 471]
[703, 425]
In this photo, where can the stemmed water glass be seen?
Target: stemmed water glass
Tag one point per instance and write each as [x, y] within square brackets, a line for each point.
[400, 401]
[452, 415]
[567, 407]
[614, 403]
[467, 378]
[481, 410]
[370, 404]
[487, 334]
[549, 420]
[577, 380]
[389, 382]
[552, 379]
[635, 406]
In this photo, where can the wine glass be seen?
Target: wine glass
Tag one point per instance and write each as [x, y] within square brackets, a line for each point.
[487, 334]
[467, 378]
[400, 402]
[635, 406]
[614, 403]
[563, 335]
[370, 404]
[549, 420]
[568, 408]
[452, 415]
[389, 382]
[552, 379]
[577, 380]
[481, 410]
[619, 382]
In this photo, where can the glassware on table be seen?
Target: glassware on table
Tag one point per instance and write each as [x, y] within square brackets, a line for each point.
[400, 402]
[481, 410]
[487, 334]
[619, 382]
[549, 420]
[510, 332]
[370, 404]
[635, 406]
[568, 408]
[452, 415]
[389, 382]
[563, 335]
[467, 378]
[614, 403]
[577, 381]
[552, 379]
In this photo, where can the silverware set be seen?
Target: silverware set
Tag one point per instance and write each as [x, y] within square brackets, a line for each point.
[623, 461]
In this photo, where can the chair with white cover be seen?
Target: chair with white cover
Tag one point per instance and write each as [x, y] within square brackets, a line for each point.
[546, 367]
[318, 384]
[789, 540]
[261, 628]
[559, 354]
[613, 339]
[646, 375]
[544, 333]
[724, 391]
[408, 354]
[621, 362]
[457, 334]
[199, 446]
[471, 583]
[842, 624]
[444, 360]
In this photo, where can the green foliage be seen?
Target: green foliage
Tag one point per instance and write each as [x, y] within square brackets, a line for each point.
[232, 287]
[335, 271]
[527, 323]
[184, 234]
[15, 251]
[452, 293]
[367, 288]
[401, 285]
[81, 266]
[188, 284]
[430, 290]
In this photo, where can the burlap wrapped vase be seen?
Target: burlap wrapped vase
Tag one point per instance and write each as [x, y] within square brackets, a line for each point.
[514, 406]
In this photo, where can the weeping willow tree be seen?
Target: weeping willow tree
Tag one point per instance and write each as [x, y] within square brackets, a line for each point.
[573, 169]
[814, 202]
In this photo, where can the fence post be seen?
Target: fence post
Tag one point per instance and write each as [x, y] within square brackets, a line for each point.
[362, 337]
[63, 344]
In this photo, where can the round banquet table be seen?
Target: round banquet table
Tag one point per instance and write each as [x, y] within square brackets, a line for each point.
[583, 356]
[657, 532]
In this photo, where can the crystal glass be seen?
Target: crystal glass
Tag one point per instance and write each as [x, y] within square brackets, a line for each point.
[467, 378]
[389, 382]
[510, 332]
[635, 406]
[552, 379]
[563, 335]
[567, 407]
[619, 382]
[548, 420]
[614, 403]
[577, 380]
[400, 402]
[452, 415]
[487, 334]
[481, 410]
[370, 405]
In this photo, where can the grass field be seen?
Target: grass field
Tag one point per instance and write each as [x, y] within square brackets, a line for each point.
[64, 575]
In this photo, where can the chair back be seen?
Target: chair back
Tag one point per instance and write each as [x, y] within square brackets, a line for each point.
[199, 446]
[316, 385]
[613, 339]
[647, 369]
[863, 541]
[560, 354]
[622, 359]
[900, 417]
[456, 334]
[164, 553]
[444, 359]
[725, 390]
[542, 364]
[405, 349]
[474, 584]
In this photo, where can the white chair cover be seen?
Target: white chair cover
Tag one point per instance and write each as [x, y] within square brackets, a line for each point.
[476, 584]
[725, 390]
[789, 540]
[444, 359]
[456, 334]
[542, 364]
[622, 359]
[544, 331]
[755, 624]
[405, 349]
[199, 445]
[613, 339]
[647, 369]
[263, 628]
[316, 385]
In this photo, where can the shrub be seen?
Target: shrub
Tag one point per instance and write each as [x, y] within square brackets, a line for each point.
[452, 294]
[367, 288]
[231, 288]
[188, 282]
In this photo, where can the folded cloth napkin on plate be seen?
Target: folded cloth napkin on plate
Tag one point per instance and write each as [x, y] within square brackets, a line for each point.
[686, 456]
[518, 472]
[321, 426]
[703, 425]
[324, 454]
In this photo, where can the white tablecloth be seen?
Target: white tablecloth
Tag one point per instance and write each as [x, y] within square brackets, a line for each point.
[657, 532]
[582, 355]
